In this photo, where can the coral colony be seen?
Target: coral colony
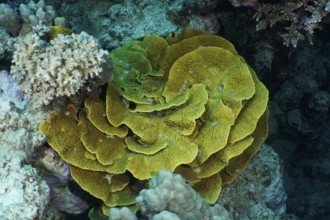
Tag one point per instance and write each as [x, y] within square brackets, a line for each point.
[145, 109]
[188, 104]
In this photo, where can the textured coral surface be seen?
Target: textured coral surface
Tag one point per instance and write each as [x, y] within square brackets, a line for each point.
[187, 104]
[46, 70]
[22, 191]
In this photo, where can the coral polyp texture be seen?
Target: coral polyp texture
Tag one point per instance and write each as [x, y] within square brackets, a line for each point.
[170, 197]
[58, 68]
[187, 103]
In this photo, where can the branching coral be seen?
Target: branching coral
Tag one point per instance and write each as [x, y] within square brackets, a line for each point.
[188, 103]
[298, 19]
[59, 68]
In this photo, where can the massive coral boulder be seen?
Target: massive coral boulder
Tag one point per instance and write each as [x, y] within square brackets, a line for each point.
[188, 103]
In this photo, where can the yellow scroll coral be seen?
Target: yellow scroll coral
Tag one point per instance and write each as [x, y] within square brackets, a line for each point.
[188, 103]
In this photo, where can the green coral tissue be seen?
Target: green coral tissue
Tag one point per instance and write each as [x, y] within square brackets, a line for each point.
[187, 103]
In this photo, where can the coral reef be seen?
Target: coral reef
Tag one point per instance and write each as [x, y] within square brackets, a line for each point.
[56, 173]
[4, 37]
[116, 23]
[258, 190]
[35, 13]
[10, 93]
[296, 76]
[19, 134]
[171, 102]
[170, 197]
[294, 19]
[300, 128]
[21, 19]
[59, 68]
[9, 19]
[302, 101]
[23, 194]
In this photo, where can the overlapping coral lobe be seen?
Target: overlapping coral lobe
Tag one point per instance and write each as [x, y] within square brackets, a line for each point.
[188, 103]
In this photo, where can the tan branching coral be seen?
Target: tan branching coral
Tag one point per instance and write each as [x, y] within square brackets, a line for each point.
[59, 68]
[188, 103]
